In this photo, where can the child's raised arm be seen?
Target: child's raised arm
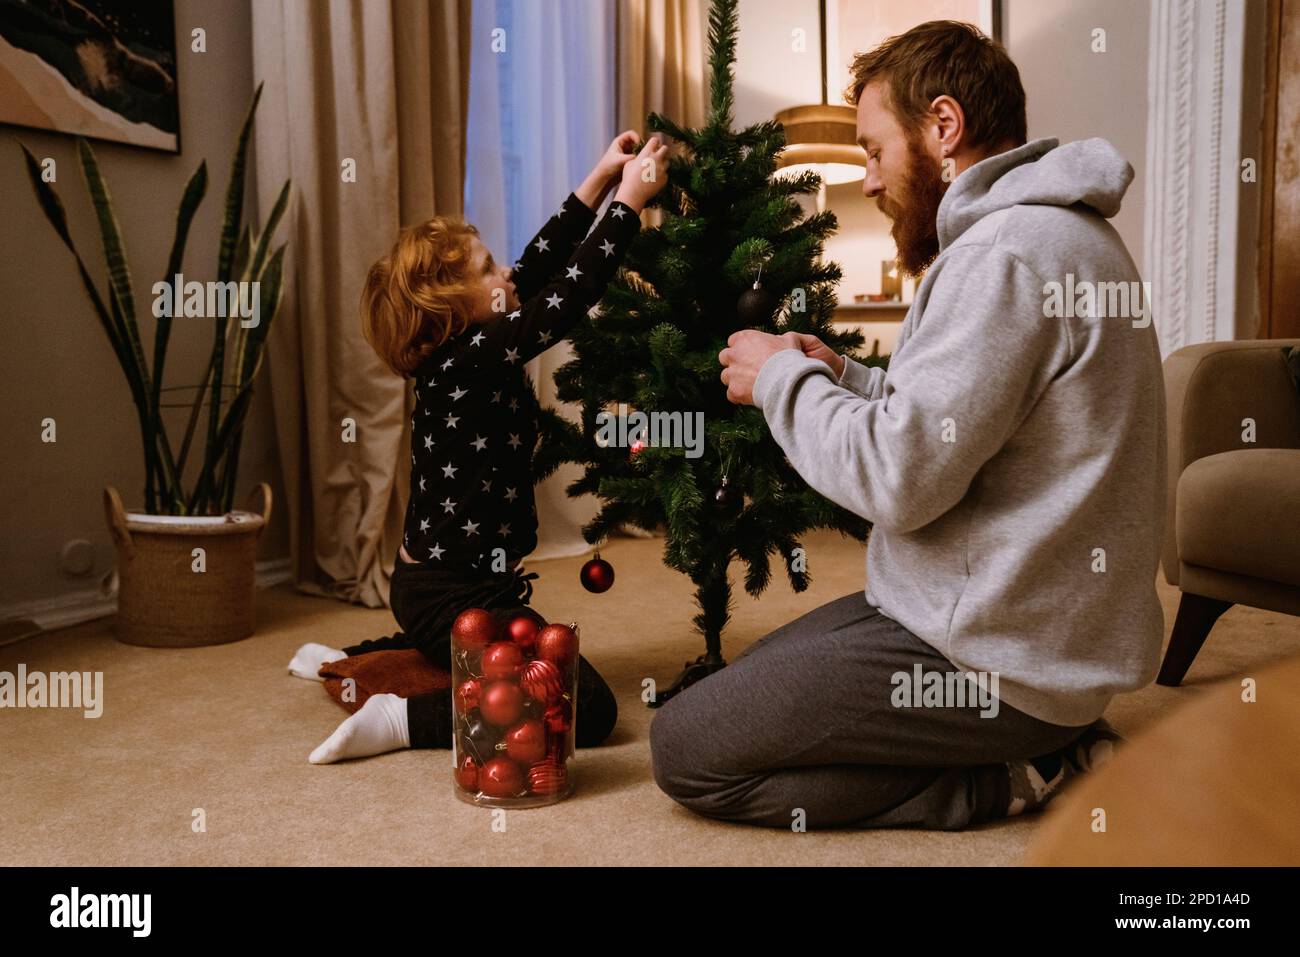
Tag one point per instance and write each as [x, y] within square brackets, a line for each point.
[554, 243]
[548, 251]
[545, 316]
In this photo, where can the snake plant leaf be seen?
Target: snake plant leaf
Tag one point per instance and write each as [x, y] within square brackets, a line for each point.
[270, 289]
[230, 228]
[119, 274]
[235, 195]
[252, 271]
[272, 222]
[195, 190]
[225, 445]
[231, 427]
[195, 409]
[52, 206]
[240, 266]
[139, 392]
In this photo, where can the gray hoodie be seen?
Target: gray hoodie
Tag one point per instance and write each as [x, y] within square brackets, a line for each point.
[1012, 459]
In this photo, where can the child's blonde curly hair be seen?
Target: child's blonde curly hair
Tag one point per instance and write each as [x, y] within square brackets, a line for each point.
[415, 298]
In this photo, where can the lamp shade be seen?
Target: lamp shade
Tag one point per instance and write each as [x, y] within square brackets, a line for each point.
[823, 137]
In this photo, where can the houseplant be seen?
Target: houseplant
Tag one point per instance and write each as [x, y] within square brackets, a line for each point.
[186, 559]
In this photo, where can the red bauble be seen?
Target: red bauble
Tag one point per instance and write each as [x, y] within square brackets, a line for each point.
[467, 695]
[597, 575]
[558, 718]
[636, 447]
[500, 778]
[540, 680]
[523, 631]
[547, 777]
[467, 773]
[526, 742]
[503, 659]
[558, 643]
[501, 703]
[474, 629]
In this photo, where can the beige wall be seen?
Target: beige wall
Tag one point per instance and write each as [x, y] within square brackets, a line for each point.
[56, 361]
[1074, 93]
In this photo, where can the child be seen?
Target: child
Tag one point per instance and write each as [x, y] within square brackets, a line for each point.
[439, 308]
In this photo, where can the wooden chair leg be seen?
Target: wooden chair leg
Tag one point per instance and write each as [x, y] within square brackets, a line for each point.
[1196, 616]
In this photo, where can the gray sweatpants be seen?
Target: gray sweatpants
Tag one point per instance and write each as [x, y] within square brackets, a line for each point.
[805, 718]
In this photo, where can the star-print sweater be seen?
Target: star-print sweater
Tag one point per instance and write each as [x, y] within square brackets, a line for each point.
[475, 423]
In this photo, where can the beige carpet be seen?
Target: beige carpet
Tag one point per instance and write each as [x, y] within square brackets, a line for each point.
[228, 730]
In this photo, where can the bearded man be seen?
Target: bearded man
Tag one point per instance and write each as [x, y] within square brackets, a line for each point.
[1011, 460]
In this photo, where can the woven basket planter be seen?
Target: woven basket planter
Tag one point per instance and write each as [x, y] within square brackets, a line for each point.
[163, 600]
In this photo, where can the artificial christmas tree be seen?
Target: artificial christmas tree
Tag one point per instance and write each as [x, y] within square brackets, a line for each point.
[734, 251]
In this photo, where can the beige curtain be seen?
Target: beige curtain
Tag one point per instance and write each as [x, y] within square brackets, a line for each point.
[661, 61]
[661, 69]
[380, 88]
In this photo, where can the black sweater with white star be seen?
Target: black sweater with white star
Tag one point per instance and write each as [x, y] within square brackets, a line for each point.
[475, 423]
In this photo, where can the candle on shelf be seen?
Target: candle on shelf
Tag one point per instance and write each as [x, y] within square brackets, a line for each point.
[891, 282]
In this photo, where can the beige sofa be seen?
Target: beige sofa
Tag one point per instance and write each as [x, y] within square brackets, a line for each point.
[1233, 524]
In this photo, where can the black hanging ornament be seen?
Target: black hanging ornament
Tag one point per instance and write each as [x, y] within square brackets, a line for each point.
[597, 575]
[727, 498]
[756, 305]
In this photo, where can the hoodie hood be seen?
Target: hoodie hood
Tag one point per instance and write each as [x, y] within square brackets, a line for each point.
[1040, 173]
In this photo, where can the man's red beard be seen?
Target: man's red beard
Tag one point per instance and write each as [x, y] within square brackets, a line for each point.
[914, 215]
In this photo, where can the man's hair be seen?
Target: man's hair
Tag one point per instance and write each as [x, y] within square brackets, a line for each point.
[417, 296]
[947, 57]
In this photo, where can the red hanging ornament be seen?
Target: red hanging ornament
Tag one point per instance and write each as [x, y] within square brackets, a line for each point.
[474, 629]
[636, 447]
[597, 575]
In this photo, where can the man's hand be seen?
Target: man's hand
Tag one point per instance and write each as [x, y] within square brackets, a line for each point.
[814, 348]
[744, 356]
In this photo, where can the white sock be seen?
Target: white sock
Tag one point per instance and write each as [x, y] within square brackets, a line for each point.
[306, 663]
[379, 725]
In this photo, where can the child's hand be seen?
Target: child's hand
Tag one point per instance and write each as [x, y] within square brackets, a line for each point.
[607, 170]
[622, 149]
[646, 175]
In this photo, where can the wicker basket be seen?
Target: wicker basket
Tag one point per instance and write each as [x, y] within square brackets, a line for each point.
[164, 600]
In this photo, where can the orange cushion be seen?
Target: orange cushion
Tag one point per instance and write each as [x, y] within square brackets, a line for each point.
[403, 672]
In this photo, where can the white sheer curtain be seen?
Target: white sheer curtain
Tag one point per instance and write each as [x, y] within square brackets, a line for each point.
[541, 111]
